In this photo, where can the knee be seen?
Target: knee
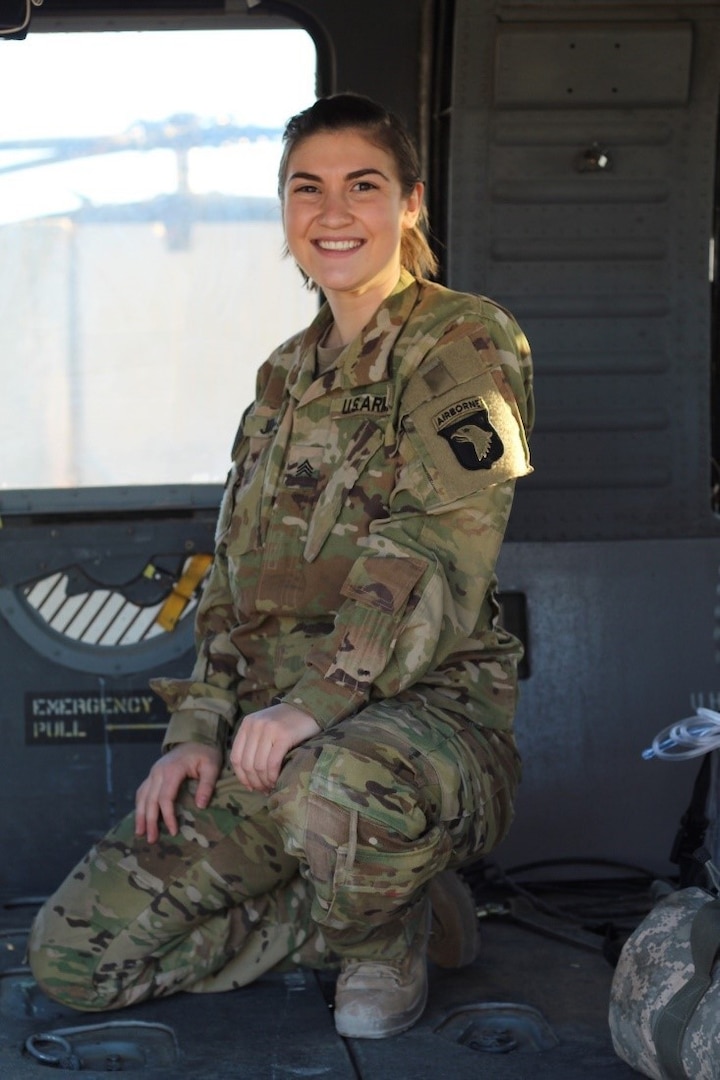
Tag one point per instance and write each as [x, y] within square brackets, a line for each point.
[346, 800]
[64, 961]
[367, 847]
[356, 777]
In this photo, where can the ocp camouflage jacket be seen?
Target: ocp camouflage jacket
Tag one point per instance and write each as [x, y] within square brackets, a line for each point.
[361, 522]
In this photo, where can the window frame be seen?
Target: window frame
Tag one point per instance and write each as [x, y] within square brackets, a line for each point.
[56, 504]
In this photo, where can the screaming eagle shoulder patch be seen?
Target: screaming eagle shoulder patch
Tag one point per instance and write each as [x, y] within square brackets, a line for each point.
[469, 433]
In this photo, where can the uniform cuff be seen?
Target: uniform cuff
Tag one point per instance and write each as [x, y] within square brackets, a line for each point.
[195, 725]
[326, 702]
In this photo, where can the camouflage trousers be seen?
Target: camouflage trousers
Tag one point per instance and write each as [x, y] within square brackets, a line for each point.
[334, 863]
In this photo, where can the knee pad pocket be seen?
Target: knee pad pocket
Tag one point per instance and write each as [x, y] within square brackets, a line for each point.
[361, 784]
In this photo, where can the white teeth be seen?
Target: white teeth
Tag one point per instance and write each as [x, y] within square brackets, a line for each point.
[338, 245]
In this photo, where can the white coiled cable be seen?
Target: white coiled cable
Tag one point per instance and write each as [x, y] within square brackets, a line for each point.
[689, 738]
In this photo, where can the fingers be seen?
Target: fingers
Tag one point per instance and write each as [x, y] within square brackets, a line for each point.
[207, 778]
[155, 801]
[274, 763]
[263, 741]
[156, 797]
[261, 748]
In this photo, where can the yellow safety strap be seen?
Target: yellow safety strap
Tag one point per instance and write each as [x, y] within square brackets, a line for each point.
[183, 591]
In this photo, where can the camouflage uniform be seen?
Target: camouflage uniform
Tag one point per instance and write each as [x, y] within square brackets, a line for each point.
[353, 578]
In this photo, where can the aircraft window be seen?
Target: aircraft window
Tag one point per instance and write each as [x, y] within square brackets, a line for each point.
[142, 279]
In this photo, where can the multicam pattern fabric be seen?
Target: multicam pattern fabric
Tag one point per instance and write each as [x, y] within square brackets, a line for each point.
[655, 963]
[354, 577]
[361, 522]
[335, 863]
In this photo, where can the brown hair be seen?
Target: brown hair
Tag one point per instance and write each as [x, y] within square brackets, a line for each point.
[341, 112]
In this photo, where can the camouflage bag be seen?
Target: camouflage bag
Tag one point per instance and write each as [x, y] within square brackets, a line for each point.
[665, 995]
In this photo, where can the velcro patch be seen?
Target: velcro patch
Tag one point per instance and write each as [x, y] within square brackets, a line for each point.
[383, 582]
[468, 435]
[303, 467]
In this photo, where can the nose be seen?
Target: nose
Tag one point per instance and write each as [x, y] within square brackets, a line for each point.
[334, 210]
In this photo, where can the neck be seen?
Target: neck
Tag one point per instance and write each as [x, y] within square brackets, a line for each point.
[353, 311]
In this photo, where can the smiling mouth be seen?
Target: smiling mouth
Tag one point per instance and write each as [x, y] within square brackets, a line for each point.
[338, 245]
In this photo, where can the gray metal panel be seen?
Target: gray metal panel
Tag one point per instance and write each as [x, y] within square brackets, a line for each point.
[607, 270]
[576, 64]
[624, 640]
[281, 1027]
[58, 797]
[80, 725]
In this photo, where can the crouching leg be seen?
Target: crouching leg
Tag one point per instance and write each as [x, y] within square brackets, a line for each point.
[135, 920]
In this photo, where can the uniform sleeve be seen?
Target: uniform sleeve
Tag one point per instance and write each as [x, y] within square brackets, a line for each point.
[420, 590]
[204, 707]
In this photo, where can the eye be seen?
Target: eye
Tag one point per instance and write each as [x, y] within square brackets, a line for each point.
[364, 185]
[302, 187]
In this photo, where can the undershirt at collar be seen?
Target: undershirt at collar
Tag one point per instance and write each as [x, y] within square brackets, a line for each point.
[327, 357]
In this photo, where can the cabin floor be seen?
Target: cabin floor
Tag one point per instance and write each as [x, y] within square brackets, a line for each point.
[533, 1005]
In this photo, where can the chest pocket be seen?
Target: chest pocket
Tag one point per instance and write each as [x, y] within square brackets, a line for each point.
[368, 439]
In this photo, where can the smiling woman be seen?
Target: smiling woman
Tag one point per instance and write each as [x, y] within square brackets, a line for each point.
[141, 247]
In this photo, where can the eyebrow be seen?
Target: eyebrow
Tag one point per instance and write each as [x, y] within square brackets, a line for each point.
[354, 175]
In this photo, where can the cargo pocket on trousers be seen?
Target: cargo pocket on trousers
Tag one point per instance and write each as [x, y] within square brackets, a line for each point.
[372, 886]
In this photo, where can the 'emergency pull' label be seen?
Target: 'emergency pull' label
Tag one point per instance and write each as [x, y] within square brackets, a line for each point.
[54, 719]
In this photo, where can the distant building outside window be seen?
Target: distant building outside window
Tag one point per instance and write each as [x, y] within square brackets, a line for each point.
[142, 281]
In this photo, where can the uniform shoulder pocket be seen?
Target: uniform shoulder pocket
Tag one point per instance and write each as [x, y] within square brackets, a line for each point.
[259, 422]
[463, 423]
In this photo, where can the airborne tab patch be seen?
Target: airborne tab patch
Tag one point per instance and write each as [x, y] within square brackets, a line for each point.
[469, 433]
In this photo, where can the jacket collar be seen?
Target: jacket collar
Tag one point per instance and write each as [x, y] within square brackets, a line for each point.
[366, 359]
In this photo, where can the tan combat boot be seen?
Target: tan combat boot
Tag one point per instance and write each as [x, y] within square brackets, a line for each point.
[374, 999]
[453, 940]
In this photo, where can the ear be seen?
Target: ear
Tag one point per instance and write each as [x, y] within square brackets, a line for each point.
[413, 205]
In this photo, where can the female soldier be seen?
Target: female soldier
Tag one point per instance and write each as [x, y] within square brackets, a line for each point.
[346, 732]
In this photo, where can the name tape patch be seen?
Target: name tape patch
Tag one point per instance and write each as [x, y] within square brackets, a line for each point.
[374, 404]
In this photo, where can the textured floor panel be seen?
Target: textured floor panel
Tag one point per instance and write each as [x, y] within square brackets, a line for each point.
[530, 1008]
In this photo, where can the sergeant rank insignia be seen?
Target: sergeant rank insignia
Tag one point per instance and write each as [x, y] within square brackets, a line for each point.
[300, 474]
[472, 438]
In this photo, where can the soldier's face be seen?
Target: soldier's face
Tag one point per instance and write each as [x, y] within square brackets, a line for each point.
[344, 214]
